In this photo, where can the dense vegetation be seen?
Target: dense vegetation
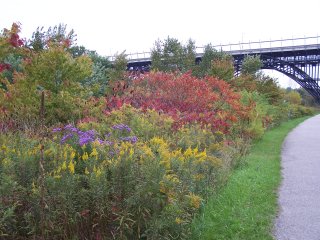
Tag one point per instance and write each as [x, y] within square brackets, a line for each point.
[89, 150]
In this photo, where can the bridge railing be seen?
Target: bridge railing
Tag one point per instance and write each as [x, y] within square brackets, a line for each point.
[237, 47]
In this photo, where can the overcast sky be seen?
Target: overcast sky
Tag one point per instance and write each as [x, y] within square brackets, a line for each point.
[113, 26]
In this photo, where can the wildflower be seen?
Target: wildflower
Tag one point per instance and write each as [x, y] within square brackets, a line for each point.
[66, 137]
[71, 128]
[94, 153]
[34, 188]
[131, 139]
[195, 200]
[157, 141]
[72, 155]
[97, 171]
[64, 166]
[178, 220]
[86, 171]
[56, 130]
[65, 155]
[166, 163]
[131, 152]
[172, 178]
[121, 126]
[188, 152]
[71, 167]
[4, 148]
[85, 156]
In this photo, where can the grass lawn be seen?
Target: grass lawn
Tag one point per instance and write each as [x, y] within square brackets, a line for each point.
[246, 206]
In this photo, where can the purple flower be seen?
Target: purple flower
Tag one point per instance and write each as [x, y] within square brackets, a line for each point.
[121, 126]
[66, 137]
[56, 130]
[71, 128]
[131, 139]
[104, 142]
[85, 140]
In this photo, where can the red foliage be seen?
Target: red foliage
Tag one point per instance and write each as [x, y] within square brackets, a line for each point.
[186, 98]
[4, 66]
[15, 40]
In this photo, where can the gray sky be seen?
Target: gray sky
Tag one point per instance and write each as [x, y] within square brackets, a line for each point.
[113, 26]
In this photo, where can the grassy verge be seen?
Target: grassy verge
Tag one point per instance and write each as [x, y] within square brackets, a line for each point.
[246, 206]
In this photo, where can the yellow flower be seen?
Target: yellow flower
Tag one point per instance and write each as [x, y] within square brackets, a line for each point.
[201, 157]
[47, 152]
[195, 200]
[165, 163]
[85, 156]
[172, 178]
[195, 151]
[157, 141]
[188, 152]
[65, 155]
[64, 166]
[86, 171]
[34, 188]
[97, 171]
[71, 167]
[94, 153]
[131, 152]
[73, 154]
[4, 148]
[147, 151]
[178, 220]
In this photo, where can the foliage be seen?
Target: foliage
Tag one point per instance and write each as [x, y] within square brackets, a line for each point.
[170, 55]
[293, 97]
[306, 98]
[55, 72]
[269, 88]
[56, 36]
[105, 189]
[10, 53]
[251, 64]
[187, 99]
[222, 69]
[210, 55]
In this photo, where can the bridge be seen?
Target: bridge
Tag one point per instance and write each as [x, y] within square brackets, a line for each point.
[297, 58]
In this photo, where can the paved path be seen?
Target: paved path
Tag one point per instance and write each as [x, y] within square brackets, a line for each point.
[299, 195]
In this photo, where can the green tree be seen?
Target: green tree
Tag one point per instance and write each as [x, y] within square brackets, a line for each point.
[171, 55]
[210, 55]
[293, 97]
[58, 74]
[57, 35]
[222, 69]
[251, 64]
[268, 86]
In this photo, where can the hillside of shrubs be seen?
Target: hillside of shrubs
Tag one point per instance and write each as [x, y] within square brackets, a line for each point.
[91, 150]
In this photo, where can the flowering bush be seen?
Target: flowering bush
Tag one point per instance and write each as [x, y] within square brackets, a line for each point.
[115, 187]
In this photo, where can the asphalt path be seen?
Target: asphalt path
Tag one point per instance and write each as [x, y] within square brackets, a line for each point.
[299, 193]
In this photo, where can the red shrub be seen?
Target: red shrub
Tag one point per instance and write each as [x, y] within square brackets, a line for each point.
[186, 98]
